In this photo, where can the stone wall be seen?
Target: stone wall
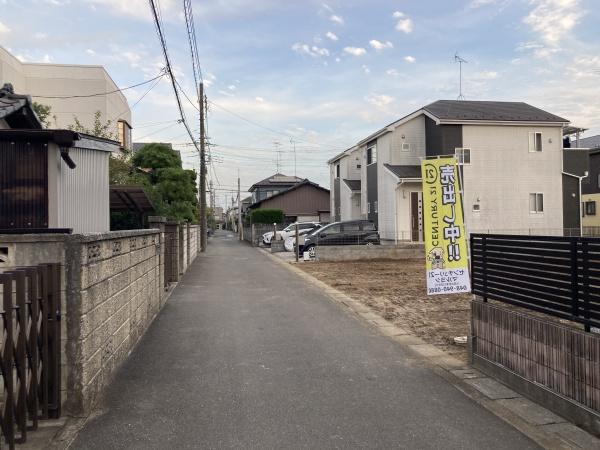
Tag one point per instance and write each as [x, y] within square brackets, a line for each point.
[113, 294]
[112, 288]
[362, 252]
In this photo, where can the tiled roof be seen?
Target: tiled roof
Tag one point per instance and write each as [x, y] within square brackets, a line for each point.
[277, 180]
[489, 111]
[16, 110]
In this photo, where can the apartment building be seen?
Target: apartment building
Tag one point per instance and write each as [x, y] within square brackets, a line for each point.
[41, 81]
[511, 161]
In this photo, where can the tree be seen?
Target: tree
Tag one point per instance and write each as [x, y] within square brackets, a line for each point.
[99, 128]
[158, 168]
[43, 112]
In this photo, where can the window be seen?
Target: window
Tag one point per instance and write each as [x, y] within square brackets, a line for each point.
[371, 155]
[599, 180]
[358, 166]
[375, 205]
[536, 203]
[535, 142]
[368, 207]
[333, 229]
[463, 156]
[124, 133]
[337, 170]
[351, 227]
[405, 147]
[590, 208]
[368, 226]
[476, 207]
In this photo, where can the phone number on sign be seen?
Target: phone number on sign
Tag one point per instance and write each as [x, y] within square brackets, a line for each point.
[449, 289]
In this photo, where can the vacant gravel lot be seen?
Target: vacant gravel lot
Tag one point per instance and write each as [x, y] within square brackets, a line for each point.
[396, 291]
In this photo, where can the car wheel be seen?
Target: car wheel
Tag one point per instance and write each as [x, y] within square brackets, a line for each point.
[369, 244]
[311, 251]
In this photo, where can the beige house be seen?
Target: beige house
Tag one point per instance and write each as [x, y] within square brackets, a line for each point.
[41, 80]
[511, 158]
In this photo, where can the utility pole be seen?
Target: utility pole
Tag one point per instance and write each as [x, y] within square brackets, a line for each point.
[239, 202]
[203, 227]
[212, 196]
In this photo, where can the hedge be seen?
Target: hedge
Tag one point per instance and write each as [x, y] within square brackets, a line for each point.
[267, 216]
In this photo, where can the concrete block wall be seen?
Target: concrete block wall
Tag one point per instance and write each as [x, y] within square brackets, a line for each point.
[113, 293]
[194, 242]
[361, 252]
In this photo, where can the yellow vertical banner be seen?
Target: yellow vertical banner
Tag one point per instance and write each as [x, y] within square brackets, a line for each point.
[445, 241]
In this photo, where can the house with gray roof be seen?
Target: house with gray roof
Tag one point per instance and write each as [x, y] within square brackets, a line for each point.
[510, 155]
[272, 185]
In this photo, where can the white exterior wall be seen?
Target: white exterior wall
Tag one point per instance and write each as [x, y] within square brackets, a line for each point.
[65, 80]
[332, 189]
[79, 197]
[363, 185]
[503, 172]
[404, 226]
[386, 185]
[414, 134]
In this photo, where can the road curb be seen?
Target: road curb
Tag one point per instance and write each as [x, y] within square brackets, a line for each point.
[472, 383]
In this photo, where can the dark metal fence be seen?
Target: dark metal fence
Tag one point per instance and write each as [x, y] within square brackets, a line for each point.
[30, 349]
[559, 276]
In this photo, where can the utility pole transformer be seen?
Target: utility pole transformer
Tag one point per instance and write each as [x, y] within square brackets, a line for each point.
[203, 228]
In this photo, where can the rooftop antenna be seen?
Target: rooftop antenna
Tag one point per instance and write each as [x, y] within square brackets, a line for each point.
[460, 61]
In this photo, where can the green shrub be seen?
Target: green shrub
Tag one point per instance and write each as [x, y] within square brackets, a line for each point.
[267, 216]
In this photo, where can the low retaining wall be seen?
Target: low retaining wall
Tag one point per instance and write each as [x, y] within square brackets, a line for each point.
[554, 365]
[361, 252]
[112, 286]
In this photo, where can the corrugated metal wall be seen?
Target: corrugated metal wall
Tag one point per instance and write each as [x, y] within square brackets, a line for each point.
[83, 195]
[23, 185]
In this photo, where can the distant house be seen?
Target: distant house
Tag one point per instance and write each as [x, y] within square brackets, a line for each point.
[272, 186]
[511, 159]
[50, 178]
[589, 142]
[303, 202]
[590, 198]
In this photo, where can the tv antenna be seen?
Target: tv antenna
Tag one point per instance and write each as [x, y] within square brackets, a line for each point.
[460, 61]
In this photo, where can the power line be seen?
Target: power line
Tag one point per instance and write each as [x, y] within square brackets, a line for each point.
[160, 75]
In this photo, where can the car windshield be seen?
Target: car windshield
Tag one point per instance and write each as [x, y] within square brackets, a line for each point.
[319, 229]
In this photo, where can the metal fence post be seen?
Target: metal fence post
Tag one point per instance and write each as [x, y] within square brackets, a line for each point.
[574, 288]
[297, 244]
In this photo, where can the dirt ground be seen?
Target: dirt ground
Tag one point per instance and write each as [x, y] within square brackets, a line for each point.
[396, 291]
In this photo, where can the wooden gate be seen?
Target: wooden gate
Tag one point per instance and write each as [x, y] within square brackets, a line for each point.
[30, 349]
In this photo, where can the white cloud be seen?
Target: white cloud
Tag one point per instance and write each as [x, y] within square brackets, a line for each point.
[337, 19]
[378, 45]
[47, 58]
[132, 58]
[259, 99]
[227, 94]
[404, 23]
[327, 7]
[380, 101]
[89, 51]
[314, 51]
[366, 69]
[410, 59]
[479, 3]
[337, 59]
[3, 28]
[356, 51]
[331, 36]
[392, 72]
[486, 75]
[554, 19]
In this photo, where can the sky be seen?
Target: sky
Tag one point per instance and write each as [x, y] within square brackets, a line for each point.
[317, 76]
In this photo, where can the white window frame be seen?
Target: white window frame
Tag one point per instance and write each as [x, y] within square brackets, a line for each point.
[476, 207]
[368, 207]
[373, 149]
[405, 147]
[532, 143]
[337, 170]
[459, 154]
[536, 209]
[375, 207]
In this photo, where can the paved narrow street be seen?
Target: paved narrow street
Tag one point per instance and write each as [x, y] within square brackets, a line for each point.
[246, 355]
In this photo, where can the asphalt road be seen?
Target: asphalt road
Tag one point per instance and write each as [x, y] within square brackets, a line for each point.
[247, 355]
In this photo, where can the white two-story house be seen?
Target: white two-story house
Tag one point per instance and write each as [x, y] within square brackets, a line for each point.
[511, 158]
[345, 171]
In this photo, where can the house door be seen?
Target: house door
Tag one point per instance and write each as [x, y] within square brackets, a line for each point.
[416, 216]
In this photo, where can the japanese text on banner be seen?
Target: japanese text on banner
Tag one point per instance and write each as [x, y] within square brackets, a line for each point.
[445, 241]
